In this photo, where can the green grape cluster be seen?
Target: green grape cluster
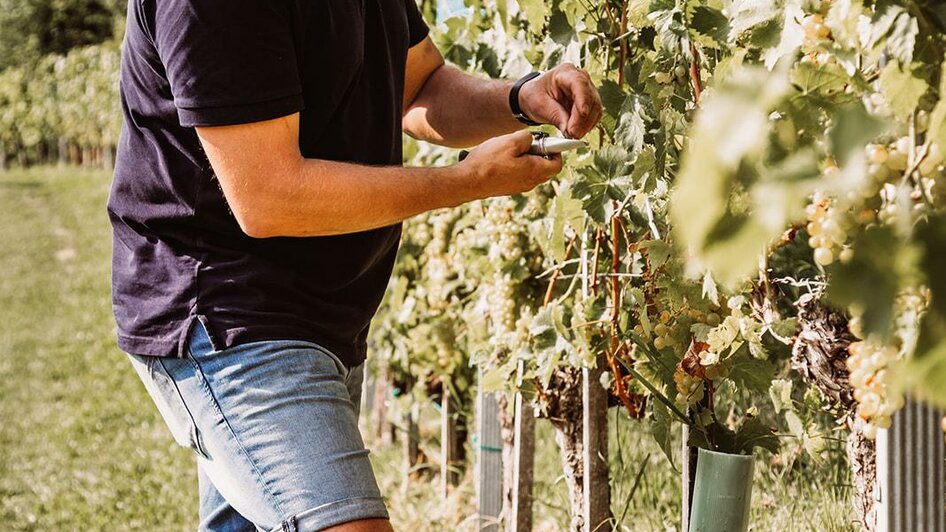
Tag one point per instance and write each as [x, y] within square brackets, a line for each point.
[828, 227]
[689, 387]
[438, 268]
[868, 366]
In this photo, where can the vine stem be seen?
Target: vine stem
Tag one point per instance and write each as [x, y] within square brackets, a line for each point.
[551, 289]
[695, 74]
[599, 235]
[620, 387]
[622, 56]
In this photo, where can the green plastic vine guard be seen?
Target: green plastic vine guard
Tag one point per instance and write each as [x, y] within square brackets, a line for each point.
[722, 492]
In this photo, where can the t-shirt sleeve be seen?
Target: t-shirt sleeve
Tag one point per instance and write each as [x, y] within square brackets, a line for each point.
[228, 61]
[415, 21]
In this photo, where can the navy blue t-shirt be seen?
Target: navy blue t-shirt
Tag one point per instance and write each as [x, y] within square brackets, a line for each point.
[178, 253]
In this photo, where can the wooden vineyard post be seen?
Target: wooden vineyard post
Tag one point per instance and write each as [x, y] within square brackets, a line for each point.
[411, 441]
[911, 472]
[489, 461]
[596, 489]
[523, 465]
[382, 390]
[449, 466]
[688, 477]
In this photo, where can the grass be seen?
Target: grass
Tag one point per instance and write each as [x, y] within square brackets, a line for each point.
[800, 498]
[82, 447]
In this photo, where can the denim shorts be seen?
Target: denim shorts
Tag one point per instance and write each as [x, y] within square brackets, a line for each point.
[275, 428]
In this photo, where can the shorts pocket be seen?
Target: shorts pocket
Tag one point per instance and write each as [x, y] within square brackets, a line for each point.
[167, 397]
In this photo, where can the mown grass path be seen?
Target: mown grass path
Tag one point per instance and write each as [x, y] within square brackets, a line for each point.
[81, 446]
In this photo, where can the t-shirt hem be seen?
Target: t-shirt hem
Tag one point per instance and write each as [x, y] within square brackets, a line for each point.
[136, 345]
[228, 115]
[349, 355]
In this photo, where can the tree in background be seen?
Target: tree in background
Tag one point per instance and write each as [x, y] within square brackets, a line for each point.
[30, 29]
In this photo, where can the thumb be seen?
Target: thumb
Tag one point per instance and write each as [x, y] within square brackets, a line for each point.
[521, 141]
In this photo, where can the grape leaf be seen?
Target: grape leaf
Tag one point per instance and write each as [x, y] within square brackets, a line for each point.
[824, 79]
[630, 129]
[871, 280]
[710, 22]
[750, 435]
[791, 37]
[795, 426]
[750, 373]
[661, 428]
[853, 128]
[746, 15]
[560, 30]
[926, 373]
[535, 12]
[902, 89]
[895, 31]
[781, 393]
[566, 212]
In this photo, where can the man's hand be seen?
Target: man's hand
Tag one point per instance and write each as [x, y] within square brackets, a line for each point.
[564, 97]
[500, 166]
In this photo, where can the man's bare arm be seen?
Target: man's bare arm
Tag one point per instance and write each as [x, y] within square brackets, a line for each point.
[447, 106]
[274, 191]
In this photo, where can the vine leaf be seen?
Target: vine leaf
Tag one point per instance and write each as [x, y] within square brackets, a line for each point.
[894, 30]
[870, 281]
[752, 374]
[853, 128]
[902, 89]
[780, 391]
[926, 374]
[819, 79]
[710, 22]
[661, 428]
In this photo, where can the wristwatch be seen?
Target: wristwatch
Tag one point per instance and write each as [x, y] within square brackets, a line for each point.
[514, 100]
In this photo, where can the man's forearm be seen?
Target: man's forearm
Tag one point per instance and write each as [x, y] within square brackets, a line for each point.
[456, 109]
[329, 197]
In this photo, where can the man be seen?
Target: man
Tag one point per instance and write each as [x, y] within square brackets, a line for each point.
[256, 209]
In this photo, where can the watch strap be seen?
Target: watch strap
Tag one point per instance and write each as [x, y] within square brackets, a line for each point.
[514, 99]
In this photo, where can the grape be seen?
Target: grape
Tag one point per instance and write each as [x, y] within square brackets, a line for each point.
[824, 256]
[713, 319]
[846, 255]
[680, 71]
[828, 227]
[660, 342]
[855, 325]
[865, 216]
[815, 28]
[868, 376]
[897, 160]
[689, 388]
[876, 154]
[903, 145]
[932, 162]
[883, 422]
[663, 78]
